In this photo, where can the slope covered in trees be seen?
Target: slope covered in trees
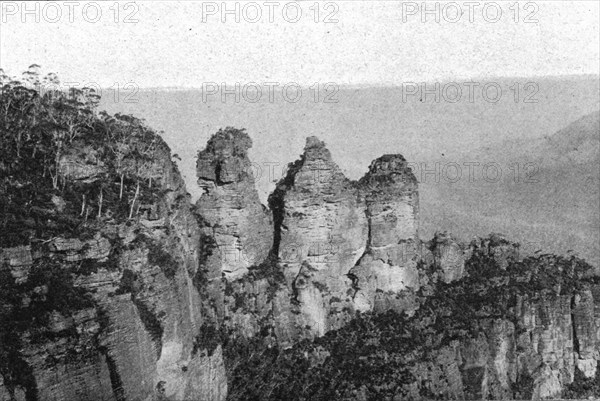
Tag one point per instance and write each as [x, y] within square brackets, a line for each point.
[105, 263]
[97, 255]
[449, 349]
[57, 150]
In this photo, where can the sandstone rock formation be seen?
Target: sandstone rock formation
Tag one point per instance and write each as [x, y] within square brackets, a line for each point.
[448, 257]
[321, 232]
[499, 248]
[114, 313]
[337, 247]
[501, 334]
[328, 229]
[389, 266]
[346, 246]
[126, 291]
[233, 215]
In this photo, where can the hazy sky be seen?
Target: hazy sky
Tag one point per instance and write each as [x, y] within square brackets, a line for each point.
[173, 43]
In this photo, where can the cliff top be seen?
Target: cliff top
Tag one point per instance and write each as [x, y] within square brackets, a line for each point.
[229, 142]
[316, 149]
[225, 158]
[390, 170]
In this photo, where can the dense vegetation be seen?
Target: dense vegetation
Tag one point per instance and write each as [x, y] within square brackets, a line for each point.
[49, 135]
[66, 170]
[376, 357]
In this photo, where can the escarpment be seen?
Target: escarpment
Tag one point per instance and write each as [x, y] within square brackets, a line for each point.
[492, 325]
[100, 258]
[337, 247]
[115, 287]
[497, 333]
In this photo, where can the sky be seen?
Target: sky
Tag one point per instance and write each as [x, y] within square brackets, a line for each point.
[188, 44]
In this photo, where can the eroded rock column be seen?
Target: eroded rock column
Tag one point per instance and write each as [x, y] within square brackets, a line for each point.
[389, 265]
[321, 232]
[232, 213]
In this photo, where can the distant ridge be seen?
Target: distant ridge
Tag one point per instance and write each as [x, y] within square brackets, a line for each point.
[577, 143]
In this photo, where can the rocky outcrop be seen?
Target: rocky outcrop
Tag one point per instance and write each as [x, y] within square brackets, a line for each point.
[448, 257]
[321, 232]
[496, 333]
[338, 246]
[233, 215]
[586, 330]
[128, 292]
[112, 313]
[532, 357]
[507, 360]
[388, 269]
[498, 247]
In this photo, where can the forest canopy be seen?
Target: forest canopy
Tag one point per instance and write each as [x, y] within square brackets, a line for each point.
[60, 153]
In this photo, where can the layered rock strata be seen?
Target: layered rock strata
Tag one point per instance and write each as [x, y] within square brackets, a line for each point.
[138, 303]
[388, 269]
[338, 246]
[233, 215]
[321, 232]
[115, 313]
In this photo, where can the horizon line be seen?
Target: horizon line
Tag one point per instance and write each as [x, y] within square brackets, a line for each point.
[371, 85]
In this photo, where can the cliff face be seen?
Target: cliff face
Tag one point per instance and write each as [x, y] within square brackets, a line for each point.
[527, 346]
[342, 247]
[126, 291]
[107, 308]
[519, 332]
[233, 215]
[337, 247]
[322, 231]
[387, 275]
